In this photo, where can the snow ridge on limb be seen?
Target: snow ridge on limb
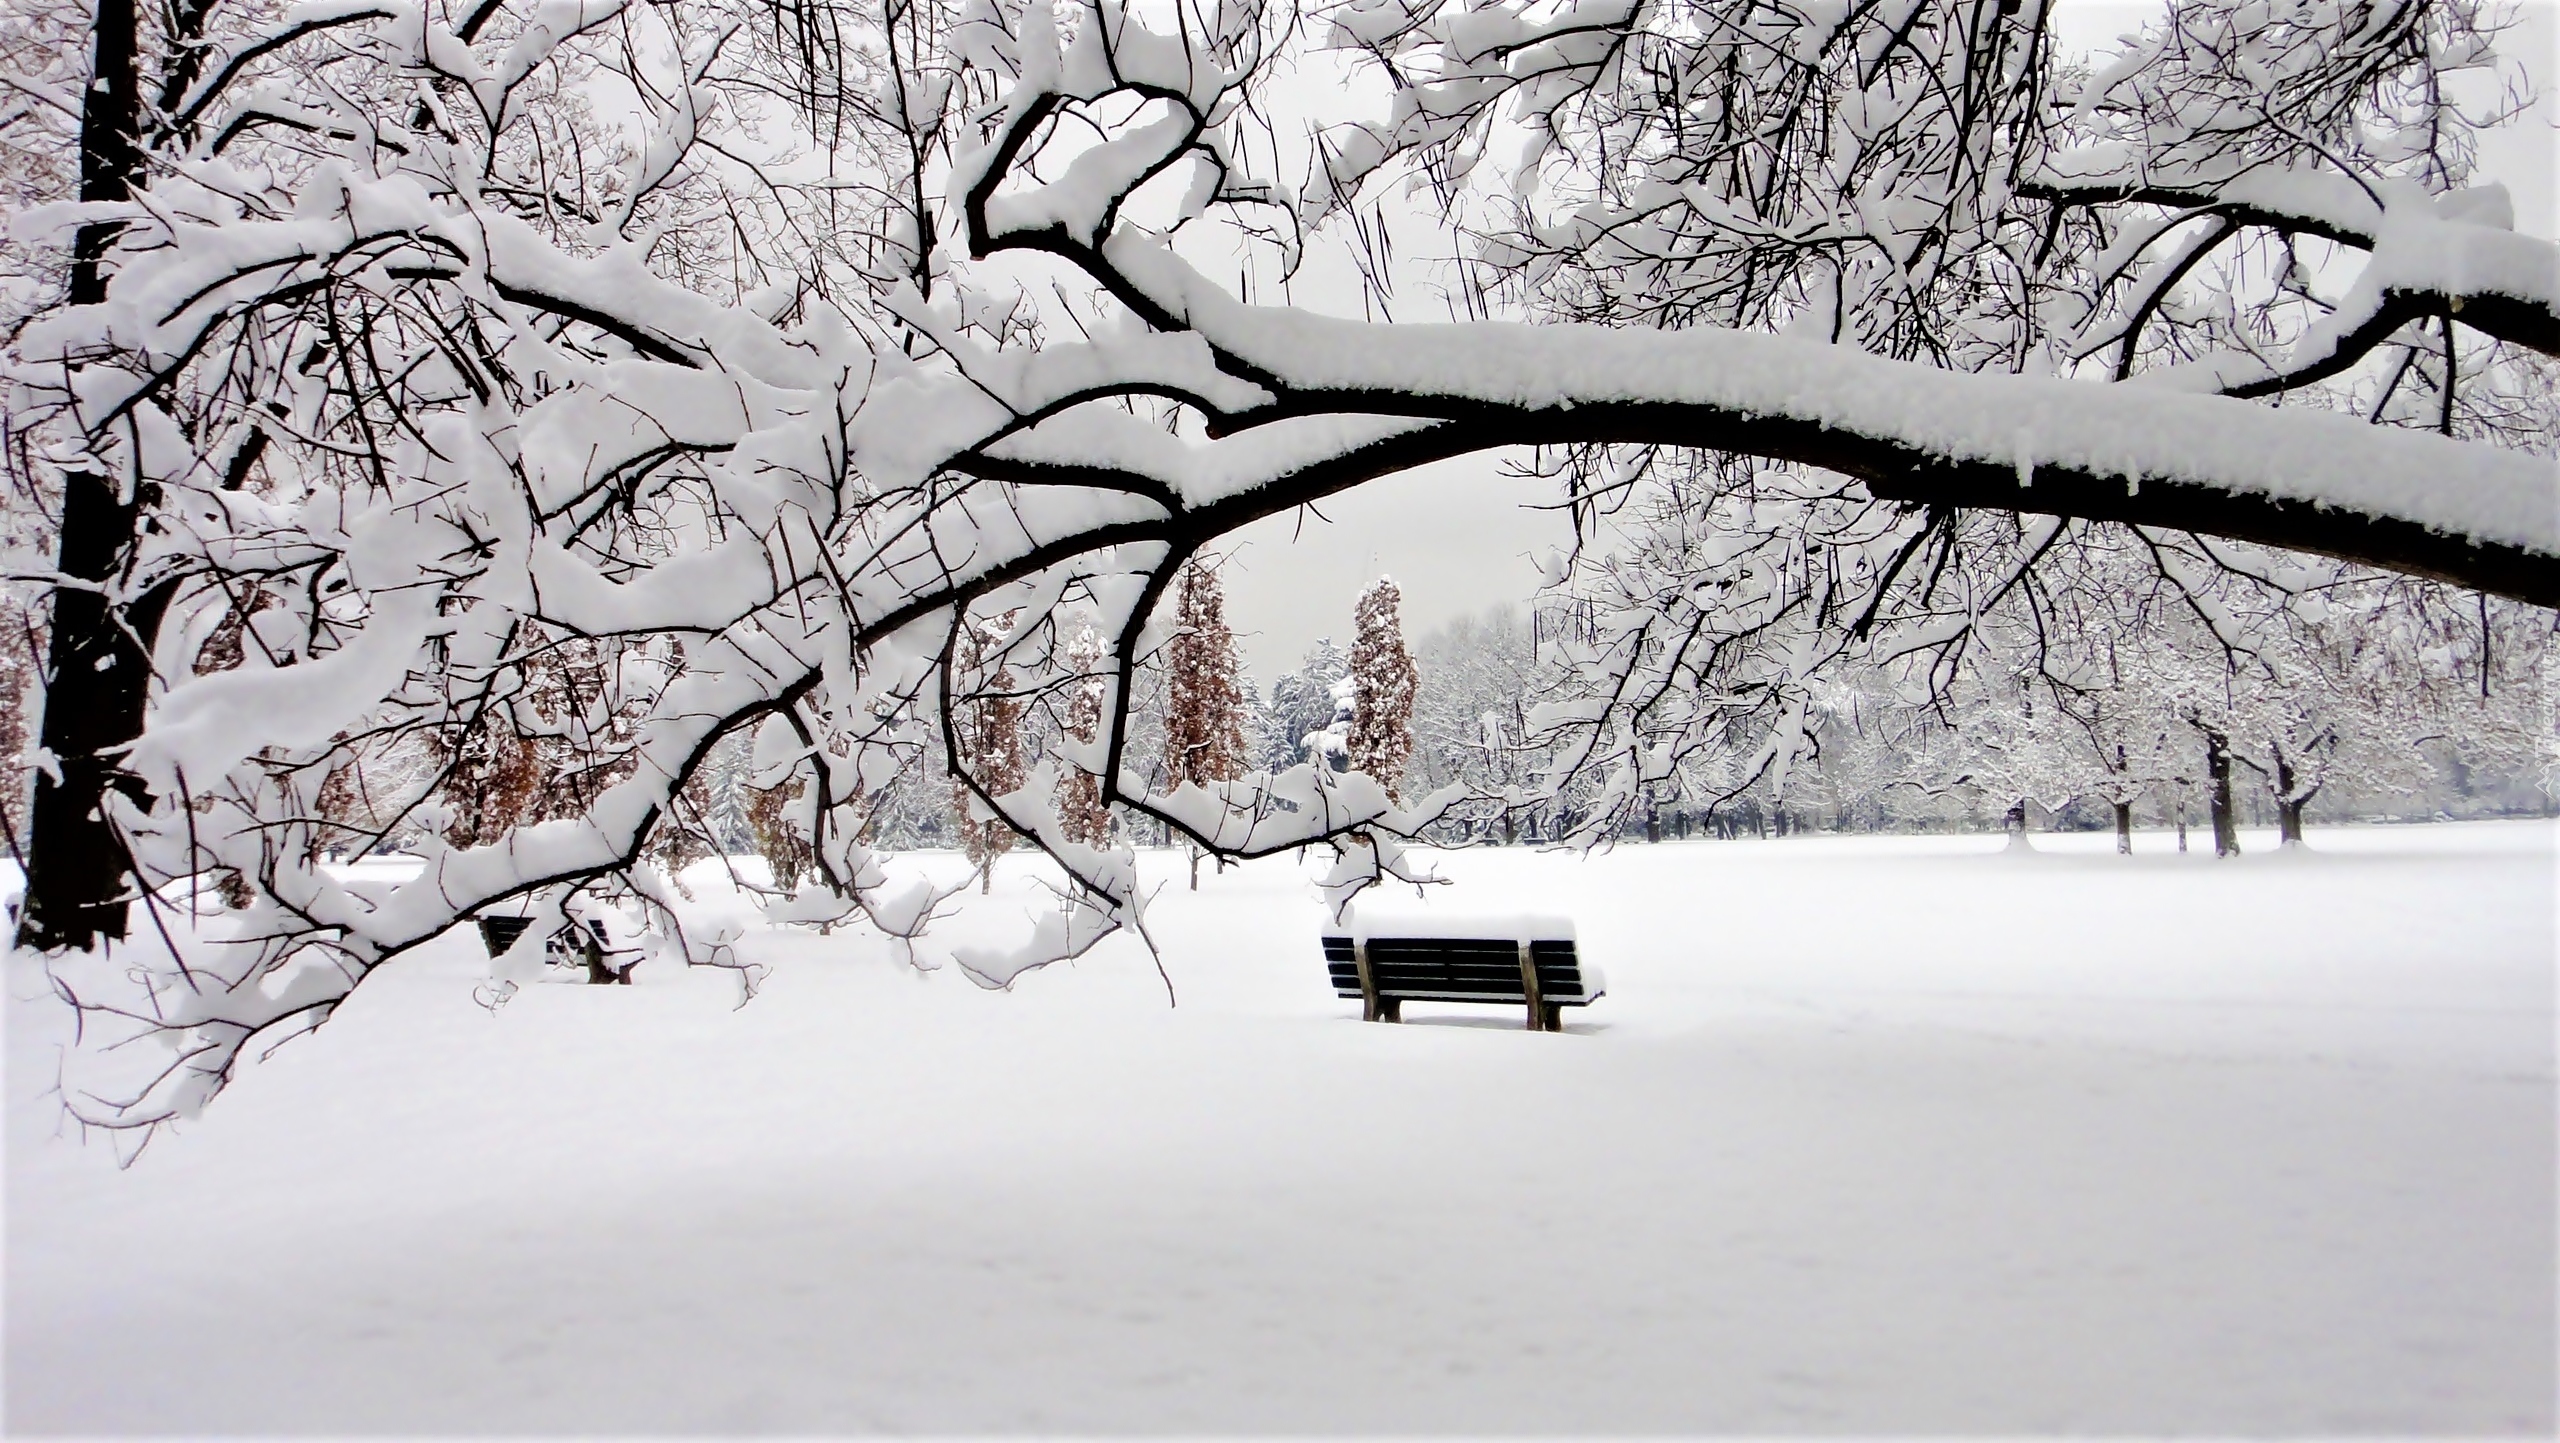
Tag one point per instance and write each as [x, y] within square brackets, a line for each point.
[1878, 419]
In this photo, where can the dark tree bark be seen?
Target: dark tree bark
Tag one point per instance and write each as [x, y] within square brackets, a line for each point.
[600, 970]
[2288, 806]
[2124, 829]
[97, 666]
[2217, 773]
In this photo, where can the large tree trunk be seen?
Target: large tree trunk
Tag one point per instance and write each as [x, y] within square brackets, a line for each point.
[2288, 806]
[600, 970]
[2014, 822]
[2217, 773]
[2124, 829]
[79, 874]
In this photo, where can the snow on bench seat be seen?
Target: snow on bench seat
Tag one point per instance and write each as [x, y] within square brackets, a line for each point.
[1521, 960]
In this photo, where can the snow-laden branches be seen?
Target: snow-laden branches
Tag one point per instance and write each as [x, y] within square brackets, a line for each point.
[501, 396]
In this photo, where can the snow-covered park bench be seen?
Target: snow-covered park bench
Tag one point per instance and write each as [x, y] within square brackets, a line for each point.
[1510, 961]
[569, 945]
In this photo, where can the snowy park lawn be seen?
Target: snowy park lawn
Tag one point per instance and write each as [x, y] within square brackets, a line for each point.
[1874, 1135]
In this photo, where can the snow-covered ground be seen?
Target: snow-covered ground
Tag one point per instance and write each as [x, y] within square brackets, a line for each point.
[1877, 1135]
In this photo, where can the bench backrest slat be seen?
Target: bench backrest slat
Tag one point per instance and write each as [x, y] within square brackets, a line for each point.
[1462, 968]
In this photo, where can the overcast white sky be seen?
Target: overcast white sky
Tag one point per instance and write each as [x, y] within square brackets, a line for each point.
[1459, 537]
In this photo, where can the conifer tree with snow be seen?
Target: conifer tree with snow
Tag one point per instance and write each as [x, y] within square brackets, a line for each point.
[985, 755]
[1382, 688]
[18, 698]
[1082, 814]
[1302, 705]
[1204, 694]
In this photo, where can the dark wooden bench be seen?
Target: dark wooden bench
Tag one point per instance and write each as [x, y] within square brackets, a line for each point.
[569, 945]
[1385, 970]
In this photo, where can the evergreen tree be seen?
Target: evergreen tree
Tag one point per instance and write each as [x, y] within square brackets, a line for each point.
[1204, 703]
[1382, 682]
[1302, 704]
[986, 744]
[17, 701]
[1081, 813]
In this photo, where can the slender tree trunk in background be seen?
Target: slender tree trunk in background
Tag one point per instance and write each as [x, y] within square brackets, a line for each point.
[2015, 823]
[1652, 825]
[96, 663]
[1510, 829]
[2124, 829]
[2217, 772]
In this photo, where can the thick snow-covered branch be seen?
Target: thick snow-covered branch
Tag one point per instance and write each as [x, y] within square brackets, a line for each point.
[2302, 479]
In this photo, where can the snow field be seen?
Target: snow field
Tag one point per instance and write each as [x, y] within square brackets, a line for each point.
[1870, 1135]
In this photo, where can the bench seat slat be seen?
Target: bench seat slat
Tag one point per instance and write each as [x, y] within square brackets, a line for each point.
[1555, 987]
[1458, 969]
[1401, 967]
